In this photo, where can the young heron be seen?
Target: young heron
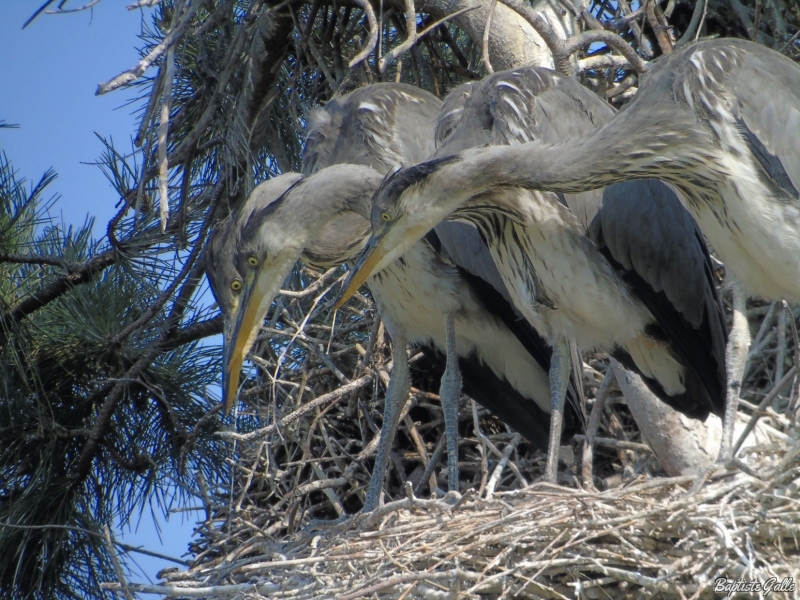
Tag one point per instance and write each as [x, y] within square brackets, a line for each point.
[324, 220]
[720, 121]
[624, 269]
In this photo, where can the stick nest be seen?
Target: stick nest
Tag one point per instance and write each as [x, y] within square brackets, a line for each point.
[285, 528]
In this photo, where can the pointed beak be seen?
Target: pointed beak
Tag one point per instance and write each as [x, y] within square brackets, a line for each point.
[259, 292]
[227, 347]
[372, 256]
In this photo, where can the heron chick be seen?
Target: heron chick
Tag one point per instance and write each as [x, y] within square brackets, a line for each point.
[719, 120]
[227, 281]
[624, 270]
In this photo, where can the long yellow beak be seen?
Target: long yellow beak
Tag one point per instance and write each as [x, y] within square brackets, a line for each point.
[259, 292]
[369, 260]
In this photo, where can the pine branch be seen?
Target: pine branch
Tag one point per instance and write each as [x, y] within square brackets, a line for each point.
[59, 287]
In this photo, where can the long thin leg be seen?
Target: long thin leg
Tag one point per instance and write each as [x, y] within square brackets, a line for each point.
[735, 360]
[559, 378]
[396, 395]
[449, 392]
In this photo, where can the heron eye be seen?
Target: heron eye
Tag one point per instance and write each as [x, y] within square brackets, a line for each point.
[236, 285]
[252, 261]
[386, 216]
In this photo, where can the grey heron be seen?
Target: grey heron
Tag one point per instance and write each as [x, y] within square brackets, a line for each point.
[460, 309]
[624, 269]
[224, 278]
[720, 121]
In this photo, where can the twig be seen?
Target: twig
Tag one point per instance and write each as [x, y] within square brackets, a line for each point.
[125, 547]
[486, 62]
[617, 444]
[498, 470]
[593, 426]
[612, 40]
[661, 32]
[115, 561]
[641, 39]
[409, 43]
[163, 128]
[40, 259]
[373, 33]
[65, 11]
[143, 4]
[60, 286]
[296, 414]
[562, 50]
[764, 403]
[476, 424]
[138, 70]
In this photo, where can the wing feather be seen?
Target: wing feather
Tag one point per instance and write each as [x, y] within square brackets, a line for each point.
[766, 87]
[661, 253]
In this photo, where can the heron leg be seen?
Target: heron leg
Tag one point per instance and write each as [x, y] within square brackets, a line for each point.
[559, 379]
[449, 392]
[735, 361]
[396, 395]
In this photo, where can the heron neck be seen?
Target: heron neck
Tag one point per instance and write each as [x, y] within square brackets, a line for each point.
[623, 149]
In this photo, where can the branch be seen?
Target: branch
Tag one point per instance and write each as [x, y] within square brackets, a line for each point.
[125, 547]
[661, 31]
[192, 333]
[65, 11]
[373, 33]
[610, 39]
[39, 11]
[305, 408]
[39, 259]
[163, 128]
[408, 44]
[485, 48]
[602, 61]
[545, 30]
[411, 37]
[143, 4]
[138, 70]
[60, 286]
[562, 50]
[697, 13]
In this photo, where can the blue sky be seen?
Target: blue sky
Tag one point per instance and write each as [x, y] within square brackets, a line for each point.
[48, 78]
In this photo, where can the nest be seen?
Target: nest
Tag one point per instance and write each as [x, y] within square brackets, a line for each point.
[652, 536]
[285, 529]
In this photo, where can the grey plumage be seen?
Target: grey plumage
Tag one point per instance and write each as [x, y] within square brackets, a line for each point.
[571, 287]
[324, 219]
[361, 128]
[381, 126]
[640, 225]
[719, 120]
[219, 257]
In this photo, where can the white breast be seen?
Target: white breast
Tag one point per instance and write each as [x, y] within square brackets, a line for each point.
[415, 293]
[576, 294]
[757, 236]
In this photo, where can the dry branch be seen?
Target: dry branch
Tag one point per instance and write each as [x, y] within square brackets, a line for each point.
[543, 540]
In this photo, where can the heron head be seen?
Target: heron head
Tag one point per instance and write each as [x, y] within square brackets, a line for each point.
[403, 211]
[226, 275]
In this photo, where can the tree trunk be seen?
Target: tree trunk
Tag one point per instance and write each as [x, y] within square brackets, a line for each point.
[682, 445]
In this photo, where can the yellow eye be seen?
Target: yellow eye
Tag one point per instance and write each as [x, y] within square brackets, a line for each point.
[236, 285]
[386, 216]
[252, 261]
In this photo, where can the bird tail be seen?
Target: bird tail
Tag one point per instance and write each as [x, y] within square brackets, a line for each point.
[674, 384]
